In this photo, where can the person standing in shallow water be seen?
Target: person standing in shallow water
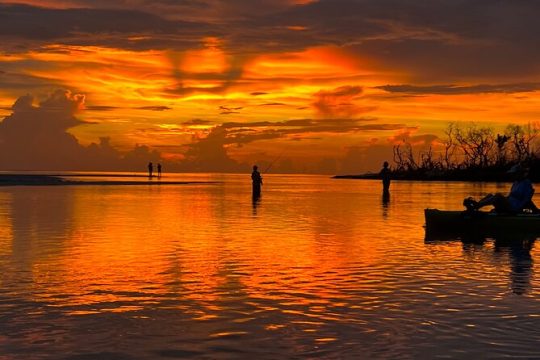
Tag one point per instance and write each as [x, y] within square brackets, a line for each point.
[256, 178]
[385, 176]
[158, 170]
[150, 169]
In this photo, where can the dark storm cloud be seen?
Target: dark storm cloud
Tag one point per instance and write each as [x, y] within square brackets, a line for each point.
[42, 23]
[111, 108]
[435, 19]
[210, 153]
[243, 133]
[442, 38]
[447, 39]
[215, 10]
[196, 122]
[305, 123]
[226, 79]
[431, 38]
[459, 90]
[35, 134]
[37, 137]
[227, 110]
[336, 102]
[153, 108]
[273, 104]
[18, 81]
[325, 21]
[430, 59]
[101, 107]
[84, 26]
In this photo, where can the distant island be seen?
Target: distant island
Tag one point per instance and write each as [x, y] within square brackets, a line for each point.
[469, 153]
[24, 179]
[493, 174]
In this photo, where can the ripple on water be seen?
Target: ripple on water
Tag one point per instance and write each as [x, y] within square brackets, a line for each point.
[318, 268]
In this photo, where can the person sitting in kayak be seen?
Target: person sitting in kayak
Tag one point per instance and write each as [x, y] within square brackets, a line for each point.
[519, 198]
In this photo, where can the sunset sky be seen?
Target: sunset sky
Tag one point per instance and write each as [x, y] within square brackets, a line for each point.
[325, 86]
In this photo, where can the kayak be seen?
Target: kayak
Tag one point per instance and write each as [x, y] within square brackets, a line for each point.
[480, 222]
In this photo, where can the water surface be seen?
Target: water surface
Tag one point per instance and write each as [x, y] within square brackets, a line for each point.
[316, 268]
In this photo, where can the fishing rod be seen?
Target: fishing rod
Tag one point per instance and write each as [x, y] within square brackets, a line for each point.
[273, 162]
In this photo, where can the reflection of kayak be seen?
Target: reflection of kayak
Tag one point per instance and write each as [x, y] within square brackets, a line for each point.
[489, 223]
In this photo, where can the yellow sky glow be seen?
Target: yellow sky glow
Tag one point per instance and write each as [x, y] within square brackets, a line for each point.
[138, 93]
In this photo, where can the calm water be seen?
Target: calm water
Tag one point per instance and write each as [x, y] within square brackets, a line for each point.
[318, 268]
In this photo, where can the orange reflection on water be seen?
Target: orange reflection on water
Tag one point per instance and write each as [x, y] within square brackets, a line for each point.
[316, 263]
[117, 249]
[6, 231]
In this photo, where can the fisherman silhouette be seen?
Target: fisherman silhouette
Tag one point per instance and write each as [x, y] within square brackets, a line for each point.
[257, 182]
[159, 170]
[385, 176]
[150, 169]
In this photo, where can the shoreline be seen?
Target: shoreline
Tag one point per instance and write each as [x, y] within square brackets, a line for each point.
[404, 178]
[53, 180]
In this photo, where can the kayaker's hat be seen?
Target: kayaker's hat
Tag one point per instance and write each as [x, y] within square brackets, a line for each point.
[516, 169]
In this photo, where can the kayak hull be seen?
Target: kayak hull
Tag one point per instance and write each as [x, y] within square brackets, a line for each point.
[479, 222]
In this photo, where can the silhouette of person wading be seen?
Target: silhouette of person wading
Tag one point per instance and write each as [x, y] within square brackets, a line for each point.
[385, 176]
[150, 169]
[257, 181]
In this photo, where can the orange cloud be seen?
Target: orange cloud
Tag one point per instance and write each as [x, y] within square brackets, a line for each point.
[340, 102]
[317, 62]
[145, 79]
[210, 59]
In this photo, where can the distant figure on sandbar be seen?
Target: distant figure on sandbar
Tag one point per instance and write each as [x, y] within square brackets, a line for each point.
[257, 181]
[519, 198]
[159, 170]
[385, 176]
[150, 169]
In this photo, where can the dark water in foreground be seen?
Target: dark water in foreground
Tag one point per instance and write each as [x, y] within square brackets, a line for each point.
[318, 268]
